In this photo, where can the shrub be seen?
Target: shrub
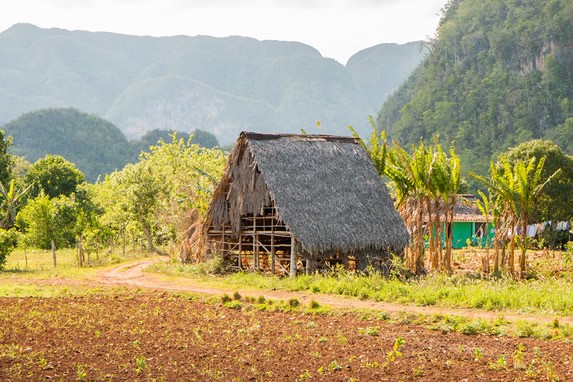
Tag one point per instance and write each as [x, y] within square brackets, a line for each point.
[8, 241]
[217, 265]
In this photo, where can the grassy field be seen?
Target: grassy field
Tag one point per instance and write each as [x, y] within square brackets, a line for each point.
[549, 292]
[34, 266]
[40, 263]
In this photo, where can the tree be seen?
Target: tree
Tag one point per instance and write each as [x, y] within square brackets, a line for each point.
[11, 200]
[8, 240]
[53, 175]
[87, 221]
[145, 189]
[6, 162]
[517, 189]
[164, 194]
[44, 220]
[555, 202]
[426, 182]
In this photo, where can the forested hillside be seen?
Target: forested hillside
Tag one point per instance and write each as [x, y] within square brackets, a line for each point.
[220, 85]
[499, 73]
[94, 144]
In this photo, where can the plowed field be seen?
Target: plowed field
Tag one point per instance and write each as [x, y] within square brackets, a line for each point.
[160, 336]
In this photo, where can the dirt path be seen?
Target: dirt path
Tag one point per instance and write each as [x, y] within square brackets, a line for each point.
[131, 274]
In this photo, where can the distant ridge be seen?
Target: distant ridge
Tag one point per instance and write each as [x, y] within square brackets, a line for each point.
[220, 85]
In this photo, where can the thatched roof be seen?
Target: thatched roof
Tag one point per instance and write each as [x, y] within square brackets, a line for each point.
[325, 188]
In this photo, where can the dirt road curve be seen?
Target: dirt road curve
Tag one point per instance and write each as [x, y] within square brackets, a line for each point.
[131, 274]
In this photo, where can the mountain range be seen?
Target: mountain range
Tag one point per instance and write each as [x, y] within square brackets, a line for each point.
[183, 83]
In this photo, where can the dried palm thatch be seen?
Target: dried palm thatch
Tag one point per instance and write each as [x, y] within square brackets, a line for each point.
[323, 189]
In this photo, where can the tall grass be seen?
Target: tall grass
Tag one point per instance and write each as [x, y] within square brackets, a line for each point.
[549, 296]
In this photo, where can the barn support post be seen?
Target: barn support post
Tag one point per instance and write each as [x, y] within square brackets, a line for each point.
[240, 250]
[273, 253]
[292, 257]
[256, 246]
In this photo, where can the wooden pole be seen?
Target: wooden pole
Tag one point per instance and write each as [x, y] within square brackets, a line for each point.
[54, 252]
[81, 251]
[292, 257]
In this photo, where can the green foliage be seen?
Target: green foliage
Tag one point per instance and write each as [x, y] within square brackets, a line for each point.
[516, 188]
[6, 161]
[555, 201]
[95, 145]
[426, 178]
[11, 201]
[54, 176]
[154, 137]
[8, 241]
[498, 74]
[37, 221]
[43, 220]
[162, 194]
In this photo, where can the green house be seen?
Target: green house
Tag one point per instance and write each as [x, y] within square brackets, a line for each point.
[469, 225]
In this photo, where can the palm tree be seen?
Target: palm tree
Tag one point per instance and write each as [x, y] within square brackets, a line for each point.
[516, 190]
[11, 199]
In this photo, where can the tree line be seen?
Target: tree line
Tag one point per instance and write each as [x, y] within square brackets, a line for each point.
[49, 203]
[159, 201]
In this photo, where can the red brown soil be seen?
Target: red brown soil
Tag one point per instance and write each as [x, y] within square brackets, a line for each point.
[103, 336]
[178, 338]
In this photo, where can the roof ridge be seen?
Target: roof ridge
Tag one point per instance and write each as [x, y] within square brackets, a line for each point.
[310, 137]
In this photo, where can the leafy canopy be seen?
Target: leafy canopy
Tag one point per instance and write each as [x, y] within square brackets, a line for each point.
[53, 175]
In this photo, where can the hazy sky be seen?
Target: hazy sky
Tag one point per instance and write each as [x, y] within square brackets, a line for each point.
[337, 28]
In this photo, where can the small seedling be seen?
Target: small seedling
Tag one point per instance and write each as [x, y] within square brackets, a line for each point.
[334, 366]
[81, 373]
[418, 371]
[478, 352]
[304, 376]
[368, 331]
[395, 352]
[501, 361]
[518, 356]
[141, 364]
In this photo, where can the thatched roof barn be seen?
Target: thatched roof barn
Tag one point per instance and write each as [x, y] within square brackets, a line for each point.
[288, 201]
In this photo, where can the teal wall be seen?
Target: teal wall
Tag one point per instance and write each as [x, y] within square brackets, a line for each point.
[462, 231]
